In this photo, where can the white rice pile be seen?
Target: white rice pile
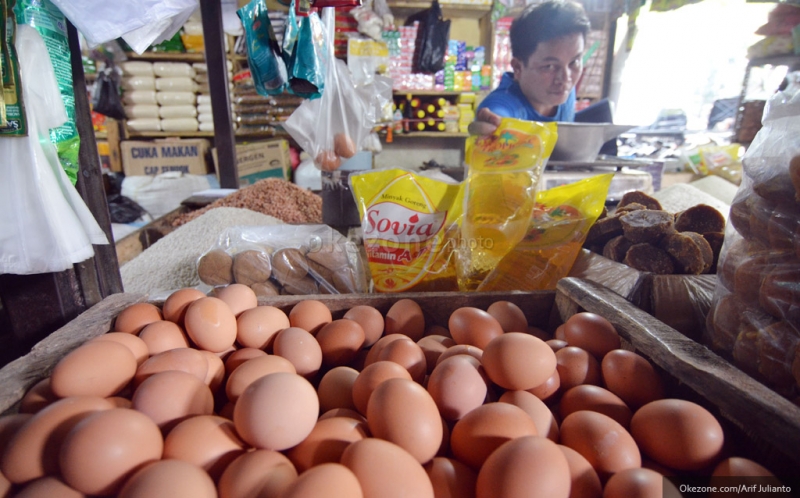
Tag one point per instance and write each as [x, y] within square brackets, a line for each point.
[171, 263]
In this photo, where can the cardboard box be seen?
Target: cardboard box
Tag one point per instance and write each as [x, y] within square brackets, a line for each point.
[259, 160]
[152, 158]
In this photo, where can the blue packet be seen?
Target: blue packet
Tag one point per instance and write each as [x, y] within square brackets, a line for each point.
[263, 51]
[305, 54]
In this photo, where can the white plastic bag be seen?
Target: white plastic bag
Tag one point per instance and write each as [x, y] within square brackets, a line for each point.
[162, 193]
[46, 226]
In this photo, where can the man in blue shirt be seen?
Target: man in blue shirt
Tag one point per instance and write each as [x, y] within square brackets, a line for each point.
[547, 45]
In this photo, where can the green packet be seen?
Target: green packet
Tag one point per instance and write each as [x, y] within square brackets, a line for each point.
[48, 20]
[263, 51]
[16, 124]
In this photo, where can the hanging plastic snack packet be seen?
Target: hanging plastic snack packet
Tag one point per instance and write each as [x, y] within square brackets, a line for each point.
[306, 57]
[409, 224]
[263, 51]
[561, 219]
[15, 121]
[500, 193]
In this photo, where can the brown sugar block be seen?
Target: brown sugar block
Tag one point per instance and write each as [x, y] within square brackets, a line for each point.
[779, 188]
[780, 292]
[251, 267]
[725, 322]
[331, 256]
[745, 349]
[753, 270]
[701, 218]
[604, 230]
[647, 257]
[740, 215]
[715, 241]
[728, 262]
[640, 198]
[215, 268]
[616, 248]
[776, 346]
[794, 174]
[627, 208]
[301, 286]
[647, 225]
[705, 249]
[289, 264]
[782, 225]
[344, 281]
[265, 289]
[603, 213]
[685, 252]
[319, 272]
[760, 213]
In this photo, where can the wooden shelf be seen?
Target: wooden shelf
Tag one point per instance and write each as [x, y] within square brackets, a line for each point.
[430, 134]
[423, 93]
[167, 134]
[449, 10]
[167, 56]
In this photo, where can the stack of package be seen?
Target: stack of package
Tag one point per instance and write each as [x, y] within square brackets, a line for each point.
[205, 118]
[258, 115]
[139, 96]
[501, 58]
[401, 61]
[464, 69]
[159, 96]
[345, 28]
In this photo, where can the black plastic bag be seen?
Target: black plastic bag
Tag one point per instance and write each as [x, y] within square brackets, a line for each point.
[123, 209]
[106, 99]
[433, 34]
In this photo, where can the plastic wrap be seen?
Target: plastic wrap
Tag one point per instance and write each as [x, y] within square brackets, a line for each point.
[755, 318]
[285, 259]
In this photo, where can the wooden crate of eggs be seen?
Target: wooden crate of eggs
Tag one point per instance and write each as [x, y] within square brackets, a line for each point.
[424, 395]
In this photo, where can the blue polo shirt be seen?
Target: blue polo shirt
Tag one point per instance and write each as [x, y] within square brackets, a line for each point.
[508, 101]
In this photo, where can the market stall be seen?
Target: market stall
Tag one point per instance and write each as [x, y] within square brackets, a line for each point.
[535, 318]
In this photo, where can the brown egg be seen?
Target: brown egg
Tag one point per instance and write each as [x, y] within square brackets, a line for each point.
[402, 412]
[740, 467]
[370, 320]
[301, 349]
[408, 354]
[240, 356]
[559, 333]
[187, 360]
[548, 389]
[585, 481]
[277, 411]
[133, 318]
[252, 370]
[437, 330]
[635, 483]
[101, 451]
[433, 346]
[207, 441]
[677, 433]
[374, 351]
[518, 361]
[262, 473]
[405, 317]
[238, 297]
[591, 332]
[451, 478]
[343, 412]
[310, 315]
[46, 487]
[526, 466]
[216, 371]
[135, 344]
[33, 451]
[556, 345]
[175, 305]
[331, 480]
[37, 397]
[226, 411]
[163, 336]
[600, 440]
[339, 341]
[172, 396]
[173, 478]
[386, 470]
[466, 349]
[473, 326]
[539, 333]
[509, 316]
[258, 326]
[372, 376]
[543, 418]
[6, 485]
[336, 388]
[343, 146]
[97, 368]
[576, 366]
[326, 442]
[9, 425]
[327, 160]
[120, 402]
[457, 386]
[631, 377]
[485, 428]
[211, 324]
[597, 399]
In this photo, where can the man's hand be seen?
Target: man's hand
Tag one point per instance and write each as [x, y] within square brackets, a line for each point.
[485, 123]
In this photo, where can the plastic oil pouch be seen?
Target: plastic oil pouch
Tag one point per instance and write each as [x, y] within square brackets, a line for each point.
[409, 224]
[558, 227]
[500, 193]
[263, 51]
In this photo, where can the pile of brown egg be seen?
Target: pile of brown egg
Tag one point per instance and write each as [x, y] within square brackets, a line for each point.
[217, 396]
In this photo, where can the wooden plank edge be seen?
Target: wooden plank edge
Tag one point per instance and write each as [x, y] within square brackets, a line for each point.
[749, 404]
[21, 374]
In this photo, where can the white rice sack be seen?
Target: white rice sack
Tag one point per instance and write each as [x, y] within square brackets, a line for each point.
[175, 98]
[203, 99]
[204, 108]
[206, 126]
[176, 84]
[173, 69]
[205, 117]
[179, 124]
[136, 68]
[141, 111]
[144, 124]
[177, 111]
[139, 83]
[139, 97]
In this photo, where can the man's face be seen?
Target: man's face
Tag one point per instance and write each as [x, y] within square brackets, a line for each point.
[551, 72]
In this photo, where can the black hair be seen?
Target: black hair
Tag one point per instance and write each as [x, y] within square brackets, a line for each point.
[546, 21]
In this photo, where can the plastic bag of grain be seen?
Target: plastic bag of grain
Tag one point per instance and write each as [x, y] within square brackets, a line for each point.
[136, 68]
[173, 70]
[139, 97]
[179, 124]
[139, 83]
[175, 98]
[175, 84]
[177, 111]
[137, 111]
[144, 124]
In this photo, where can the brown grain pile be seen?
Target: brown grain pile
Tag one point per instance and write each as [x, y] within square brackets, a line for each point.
[274, 197]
